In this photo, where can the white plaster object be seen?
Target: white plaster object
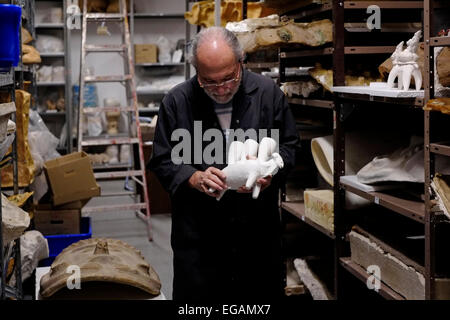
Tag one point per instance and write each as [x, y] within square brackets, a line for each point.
[250, 161]
[14, 221]
[405, 64]
[101, 261]
[33, 248]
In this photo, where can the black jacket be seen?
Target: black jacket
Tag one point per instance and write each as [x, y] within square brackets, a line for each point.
[227, 248]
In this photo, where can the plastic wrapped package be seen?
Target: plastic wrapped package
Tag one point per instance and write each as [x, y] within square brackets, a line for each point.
[43, 146]
[30, 55]
[92, 123]
[43, 143]
[53, 15]
[26, 36]
[47, 43]
[125, 153]
[113, 153]
[164, 50]
[58, 74]
[44, 74]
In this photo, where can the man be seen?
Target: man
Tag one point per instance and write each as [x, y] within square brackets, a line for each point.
[229, 248]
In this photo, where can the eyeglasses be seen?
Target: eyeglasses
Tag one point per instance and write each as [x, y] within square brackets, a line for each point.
[224, 83]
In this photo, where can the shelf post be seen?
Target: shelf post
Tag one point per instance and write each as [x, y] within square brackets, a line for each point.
[428, 158]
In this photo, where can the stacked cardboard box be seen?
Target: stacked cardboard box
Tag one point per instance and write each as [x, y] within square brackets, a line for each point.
[72, 183]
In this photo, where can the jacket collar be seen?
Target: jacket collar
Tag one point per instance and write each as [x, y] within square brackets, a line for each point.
[248, 82]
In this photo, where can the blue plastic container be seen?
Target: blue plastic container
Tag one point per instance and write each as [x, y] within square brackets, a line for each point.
[10, 19]
[57, 243]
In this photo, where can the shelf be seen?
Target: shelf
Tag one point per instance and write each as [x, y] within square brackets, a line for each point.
[298, 209]
[440, 41]
[330, 50]
[312, 103]
[261, 65]
[307, 53]
[383, 4]
[362, 275]
[111, 166]
[412, 209]
[151, 92]
[6, 79]
[50, 113]
[369, 49]
[49, 26]
[311, 12]
[50, 84]
[158, 15]
[159, 64]
[148, 110]
[51, 54]
[440, 148]
[413, 102]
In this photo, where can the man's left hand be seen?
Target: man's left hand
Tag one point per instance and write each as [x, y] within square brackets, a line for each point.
[264, 182]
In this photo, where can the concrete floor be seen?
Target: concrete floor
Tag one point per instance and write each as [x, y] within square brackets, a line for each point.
[127, 227]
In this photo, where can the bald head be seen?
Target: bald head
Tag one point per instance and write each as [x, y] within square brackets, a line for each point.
[214, 56]
[214, 47]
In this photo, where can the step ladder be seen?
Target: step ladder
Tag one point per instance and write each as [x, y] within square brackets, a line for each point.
[106, 172]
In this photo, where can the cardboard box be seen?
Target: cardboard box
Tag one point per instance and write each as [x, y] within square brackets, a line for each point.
[67, 206]
[71, 178]
[50, 222]
[145, 53]
[159, 198]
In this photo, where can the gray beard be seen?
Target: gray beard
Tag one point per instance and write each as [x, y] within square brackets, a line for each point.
[232, 93]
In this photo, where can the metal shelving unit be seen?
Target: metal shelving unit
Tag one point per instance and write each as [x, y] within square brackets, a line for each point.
[419, 211]
[9, 81]
[359, 272]
[159, 16]
[342, 104]
[412, 209]
[298, 209]
[432, 218]
[55, 124]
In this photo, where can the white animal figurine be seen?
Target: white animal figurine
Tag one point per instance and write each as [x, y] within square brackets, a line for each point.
[405, 64]
[242, 171]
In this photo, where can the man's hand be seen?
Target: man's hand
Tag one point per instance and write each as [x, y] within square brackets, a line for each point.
[264, 182]
[210, 178]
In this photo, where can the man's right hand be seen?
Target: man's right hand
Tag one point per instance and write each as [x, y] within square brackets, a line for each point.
[210, 178]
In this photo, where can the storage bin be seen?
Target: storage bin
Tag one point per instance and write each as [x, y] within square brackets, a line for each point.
[10, 19]
[57, 243]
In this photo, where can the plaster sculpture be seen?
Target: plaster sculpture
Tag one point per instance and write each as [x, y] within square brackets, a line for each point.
[33, 248]
[257, 34]
[101, 261]
[14, 221]
[113, 153]
[300, 88]
[405, 64]
[402, 165]
[397, 271]
[113, 121]
[315, 286]
[125, 153]
[248, 162]
[357, 154]
[440, 186]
